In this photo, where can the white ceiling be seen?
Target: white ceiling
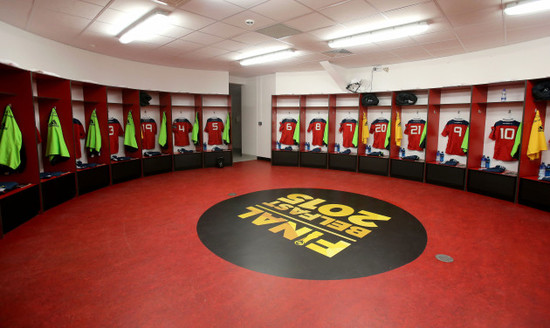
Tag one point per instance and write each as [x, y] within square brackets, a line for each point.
[212, 34]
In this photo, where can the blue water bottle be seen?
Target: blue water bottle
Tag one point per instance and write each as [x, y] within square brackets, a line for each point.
[487, 162]
[483, 162]
[402, 152]
[278, 145]
[547, 171]
[437, 156]
[368, 149]
[441, 156]
[204, 146]
[307, 146]
[542, 170]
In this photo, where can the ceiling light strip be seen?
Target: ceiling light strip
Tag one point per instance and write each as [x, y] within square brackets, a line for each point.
[269, 57]
[526, 7]
[389, 33]
[145, 26]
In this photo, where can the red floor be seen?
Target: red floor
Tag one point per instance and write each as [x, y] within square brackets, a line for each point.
[129, 256]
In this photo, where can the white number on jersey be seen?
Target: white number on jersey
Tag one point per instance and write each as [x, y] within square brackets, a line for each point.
[149, 127]
[111, 130]
[415, 129]
[215, 126]
[380, 128]
[288, 127]
[458, 130]
[317, 126]
[507, 133]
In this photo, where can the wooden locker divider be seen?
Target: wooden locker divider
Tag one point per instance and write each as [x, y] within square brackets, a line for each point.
[130, 169]
[309, 104]
[54, 92]
[23, 203]
[337, 160]
[282, 103]
[531, 191]
[93, 178]
[213, 103]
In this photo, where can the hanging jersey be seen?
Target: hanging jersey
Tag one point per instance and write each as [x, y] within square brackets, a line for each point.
[115, 131]
[78, 134]
[148, 132]
[414, 129]
[181, 128]
[287, 131]
[347, 128]
[504, 135]
[378, 130]
[455, 130]
[214, 128]
[317, 129]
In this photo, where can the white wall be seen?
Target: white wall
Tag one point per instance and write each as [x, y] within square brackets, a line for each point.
[34, 53]
[256, 107]
[528, 60]
[522, 61]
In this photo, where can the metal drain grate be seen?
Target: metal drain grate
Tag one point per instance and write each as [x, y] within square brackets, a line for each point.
[444, 258]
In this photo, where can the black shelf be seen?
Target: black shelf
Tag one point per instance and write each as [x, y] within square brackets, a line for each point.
[342, 162]
[492, 184]
[534, 193]
[374, 165]
[92, 179]
[447, 176]
[211, 157]
[405, 169]
[58, 190]
[126, 170]
[19, 207]
[285, 158]
[316, 160]
[187, 161]
[157, 164]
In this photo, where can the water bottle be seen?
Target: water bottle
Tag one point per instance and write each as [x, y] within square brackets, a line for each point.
[278, 145]
[337, 148]
[368, 149]
[547, 171]
[503, 95]
[483, 162]
[437, 156]
[402, 152]
[542, 171]
[204, 146]
[441, 156]
[307, 146]
[487, 162]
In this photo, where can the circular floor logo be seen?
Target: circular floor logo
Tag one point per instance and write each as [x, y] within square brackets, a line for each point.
[313, 234]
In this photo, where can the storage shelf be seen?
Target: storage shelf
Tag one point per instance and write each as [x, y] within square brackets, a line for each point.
[16, 190]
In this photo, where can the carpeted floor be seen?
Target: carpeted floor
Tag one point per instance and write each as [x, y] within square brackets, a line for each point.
[129, 256]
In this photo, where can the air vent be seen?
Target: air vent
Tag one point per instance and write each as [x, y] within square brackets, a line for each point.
[338, 53]
[278, 31]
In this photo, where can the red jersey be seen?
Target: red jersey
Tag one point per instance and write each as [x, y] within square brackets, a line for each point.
[504, 135]
[214, 128]
[78, 134]
[181, 129]
[347, 128]
[378, 129]
[317, 127]
[414, 129]
[115, 131]
[455, 129]
[288, 125]
[148, 132]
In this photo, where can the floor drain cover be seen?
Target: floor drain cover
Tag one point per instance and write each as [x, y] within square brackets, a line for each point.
[232, 194]
[444, 258]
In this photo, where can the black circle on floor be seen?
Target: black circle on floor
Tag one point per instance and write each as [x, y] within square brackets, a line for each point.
[315, 234]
